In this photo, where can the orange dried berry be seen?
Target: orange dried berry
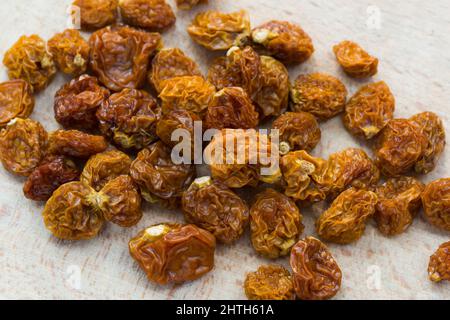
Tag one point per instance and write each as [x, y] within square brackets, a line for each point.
[269, 282]
[436, 203]
[320, 94]
[29, 60]
[354, 60]
[94, 14]
[439, 265]
[215, 30]
[231, 108]
[16, 100]
[345, 221]
[189, 4]
[74, 143]
[70, 52]
[171, 63]
[369, 110]
[283, 40]
[147, 14]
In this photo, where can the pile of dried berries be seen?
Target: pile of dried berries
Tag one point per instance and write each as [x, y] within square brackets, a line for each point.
[86, 182]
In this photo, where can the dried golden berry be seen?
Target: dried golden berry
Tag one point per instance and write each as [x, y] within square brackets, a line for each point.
[75, 143]
[94, 14]
[433, 129]
[283, 40]
[189, 4]
[436, 203]
[29, 60]
[439, 265]
[345, 221]
[129, 119]
[298, 131]
[23, 144]
[158, 177]
[354, 60]
[369, 110]
[320, 94]
[121, 201]
[315, 272]
[276, 224]
[191, 93]
[70, 215]
[171, 63]
[398, 204]
[254, 158]
[16, 100]
[273, 97]
[173, 253]
[269, 282]
[399, 146]
[147, 14]
[77, 102]
[214, 207]
[241, 68]
[70, 52]
[120, 56]
[215, 30]
[176, 119]
[52, 172]
[103, 167]
[231, 108]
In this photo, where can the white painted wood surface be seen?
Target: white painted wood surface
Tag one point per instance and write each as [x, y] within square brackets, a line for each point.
[412, 42]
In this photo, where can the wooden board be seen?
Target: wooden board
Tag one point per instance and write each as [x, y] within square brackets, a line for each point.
[412, 41]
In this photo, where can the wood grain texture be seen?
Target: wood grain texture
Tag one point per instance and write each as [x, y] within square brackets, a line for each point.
[412, 44]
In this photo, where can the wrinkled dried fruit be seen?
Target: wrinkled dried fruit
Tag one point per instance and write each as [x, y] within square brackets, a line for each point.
[16, 100]
[173, 253]
[436, 203]
[283, 40]
[52, 172]
[94, 14]
[315, 272]
[77, 102]
[158, 177]
[29, 60]
[269, 282]
[104, 167]
[129, 119]
[120, 56]
[433, 129]
[320, 94]
[298, 131]
[398, 204]
[191, 93]
[23, 144]
[254, 158]
[354, 60]
[176, 119]
[231, 108]
[276, 224]
[345, 221]
[121, 202]
[171, 63]
[369, 110]
[219, 31]
[214, 207]
[70, 215]
[273, 97]
[241, 68]
[75, 143]
[439, 265]
[399, 146]
[309, 179]
[147, 14]
[189, 4]
[70, 52]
